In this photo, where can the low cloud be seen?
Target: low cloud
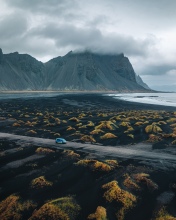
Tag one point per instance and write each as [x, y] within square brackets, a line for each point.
[79, 38]
[159, 69]
[171, 72]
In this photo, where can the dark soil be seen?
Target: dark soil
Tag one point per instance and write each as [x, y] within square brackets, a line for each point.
[76, 115]
[49, 118]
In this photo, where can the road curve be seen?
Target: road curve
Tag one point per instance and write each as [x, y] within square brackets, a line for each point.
[142, 152]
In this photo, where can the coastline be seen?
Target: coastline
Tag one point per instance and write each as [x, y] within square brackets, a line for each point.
[74, 91]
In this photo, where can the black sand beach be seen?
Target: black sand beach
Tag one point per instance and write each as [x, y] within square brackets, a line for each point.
[38, 182]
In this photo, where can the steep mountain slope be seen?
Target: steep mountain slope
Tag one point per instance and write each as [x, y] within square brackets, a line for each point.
[88, 71]
[21, 72]
[140, 82]
[74, 71]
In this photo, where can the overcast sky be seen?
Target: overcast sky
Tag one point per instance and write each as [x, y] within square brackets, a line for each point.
[145, 31]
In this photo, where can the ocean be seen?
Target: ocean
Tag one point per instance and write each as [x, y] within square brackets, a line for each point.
[166, 99]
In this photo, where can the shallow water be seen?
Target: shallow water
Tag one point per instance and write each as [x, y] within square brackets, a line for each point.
[166, 99]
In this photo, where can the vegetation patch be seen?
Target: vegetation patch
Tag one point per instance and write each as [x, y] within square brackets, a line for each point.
[106, 125]
[40, 183]
[108, 136]
[164, 215]
[70, 154]
[96, 165]
[42, 150]
[153, 128]
[49, 211]
[96, 131]
[129, 183]
[87, 138]
[124, 199]
[14, 208]
[100, 214]
[143, 178]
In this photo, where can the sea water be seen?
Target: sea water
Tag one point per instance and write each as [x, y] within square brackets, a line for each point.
[166, 99]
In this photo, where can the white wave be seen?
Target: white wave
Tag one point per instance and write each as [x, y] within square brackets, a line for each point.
[166, 99]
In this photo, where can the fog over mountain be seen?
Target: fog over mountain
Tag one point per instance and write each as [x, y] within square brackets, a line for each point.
[74, 71]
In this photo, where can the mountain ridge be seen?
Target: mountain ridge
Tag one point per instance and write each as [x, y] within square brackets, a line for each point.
[83, 71]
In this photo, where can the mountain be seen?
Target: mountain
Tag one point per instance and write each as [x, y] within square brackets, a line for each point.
[74, 71]
[21, 72]
[140, 82]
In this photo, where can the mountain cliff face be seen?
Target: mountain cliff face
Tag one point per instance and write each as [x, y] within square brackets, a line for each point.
[74, 71]
[140, 82]
[21, 72]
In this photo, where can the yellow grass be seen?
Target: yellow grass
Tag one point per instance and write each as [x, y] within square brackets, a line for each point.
[96, 131]
[13, 208]
[70, 153]
[40, 183]
[125, 124]
[153, 128]
[96, 165]
[87, 138]
[70, 128]
[90, 124]
[171, 120]
[32, 132]
[49, 211]
[68, 206]
[123, 198]
[108, 136]
[41, 150]
[143, 178]
[154, 138]
[112, 163]
[131, 136]
[100, 214]
[164, 215]
[16, 124]
[129, 183]
[106, 125]
[74, 119]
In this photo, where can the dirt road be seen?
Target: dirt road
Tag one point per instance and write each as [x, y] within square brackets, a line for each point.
[143, 152]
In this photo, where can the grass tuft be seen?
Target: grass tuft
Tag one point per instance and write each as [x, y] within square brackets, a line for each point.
[100, 214]
[40, 183]
[108, 136]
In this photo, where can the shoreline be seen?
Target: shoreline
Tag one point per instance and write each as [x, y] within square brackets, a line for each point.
[84, 116]
[110, 95]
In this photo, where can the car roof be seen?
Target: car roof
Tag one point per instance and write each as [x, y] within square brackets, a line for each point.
[60, 139]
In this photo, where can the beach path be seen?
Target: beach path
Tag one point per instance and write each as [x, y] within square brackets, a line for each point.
[142, 152]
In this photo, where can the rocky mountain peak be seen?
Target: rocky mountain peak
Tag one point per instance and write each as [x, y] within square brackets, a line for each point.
[74, 71]
[1, 56]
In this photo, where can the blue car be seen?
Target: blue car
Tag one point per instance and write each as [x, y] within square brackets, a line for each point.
[60, 141]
